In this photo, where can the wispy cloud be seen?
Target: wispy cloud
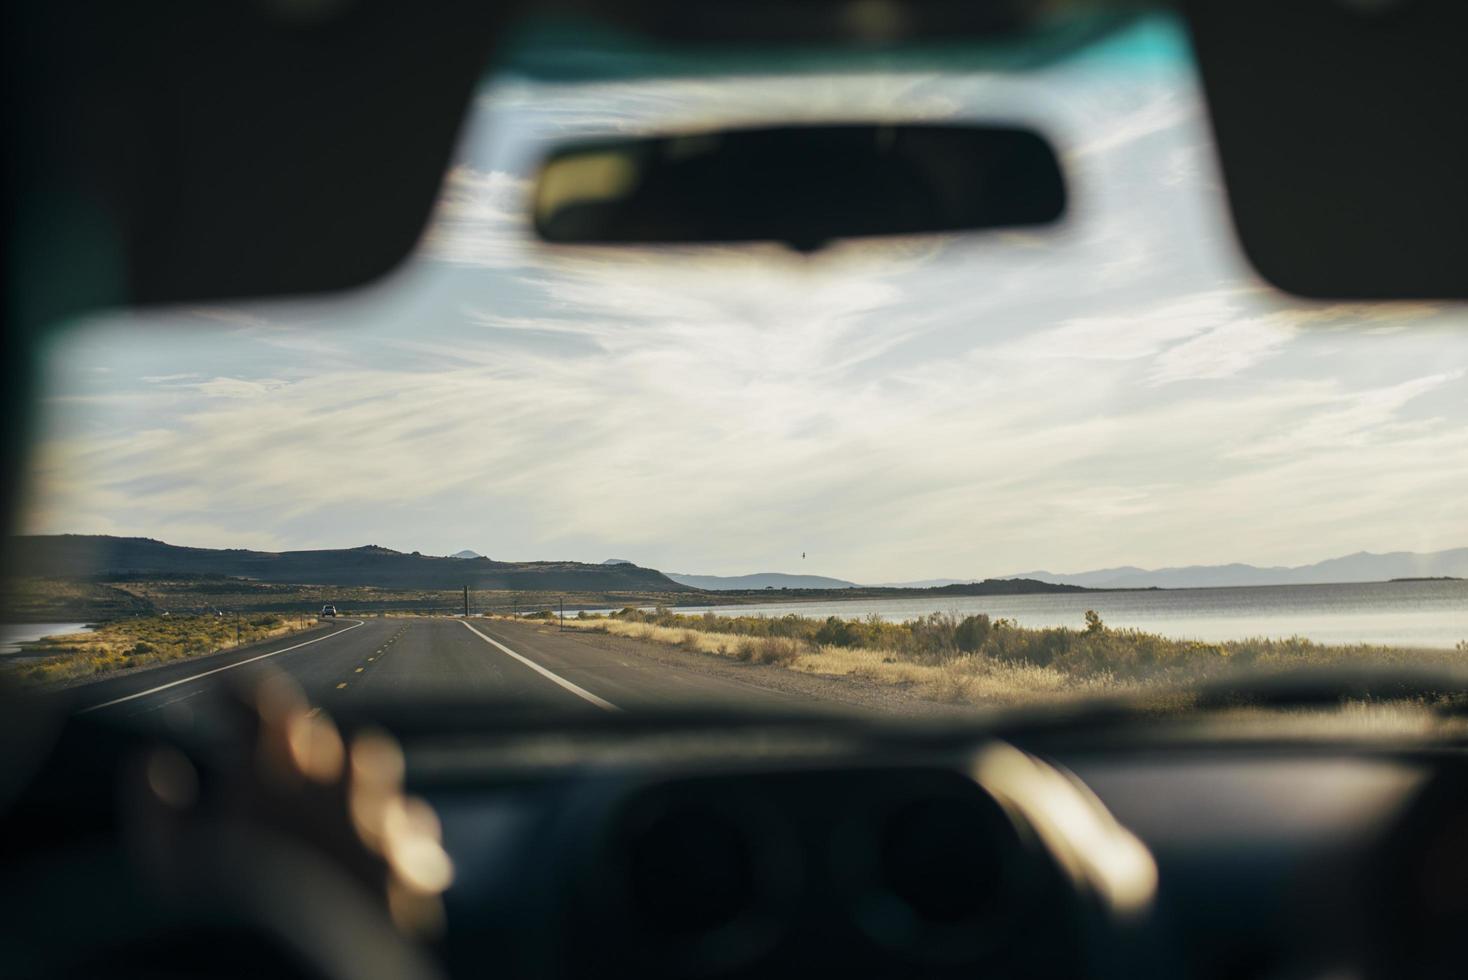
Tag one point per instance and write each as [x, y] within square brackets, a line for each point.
[1117, 390]
[1222, 351]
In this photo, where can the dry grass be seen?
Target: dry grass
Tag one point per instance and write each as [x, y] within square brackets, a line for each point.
[967, 680]
[145, 640]
[973, 661]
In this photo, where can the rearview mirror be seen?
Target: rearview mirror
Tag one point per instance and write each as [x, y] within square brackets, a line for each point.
[803, 186]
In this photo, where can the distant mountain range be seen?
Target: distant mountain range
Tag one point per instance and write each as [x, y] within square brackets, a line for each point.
[758, 580]
[103, 557]
[1363, 566]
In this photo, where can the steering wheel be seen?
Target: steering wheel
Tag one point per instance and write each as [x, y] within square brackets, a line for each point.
[270, 846]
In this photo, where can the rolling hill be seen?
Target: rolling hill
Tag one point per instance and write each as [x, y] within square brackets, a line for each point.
[103, 558]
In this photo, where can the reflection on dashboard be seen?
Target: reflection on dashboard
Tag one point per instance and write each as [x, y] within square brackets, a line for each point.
[999, 864]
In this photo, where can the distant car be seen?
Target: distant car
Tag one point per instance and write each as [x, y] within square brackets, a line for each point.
[328, 610]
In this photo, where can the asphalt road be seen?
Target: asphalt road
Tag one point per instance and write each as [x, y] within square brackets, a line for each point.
[383, 659]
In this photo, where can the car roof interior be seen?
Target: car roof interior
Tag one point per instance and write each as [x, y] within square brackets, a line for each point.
[123, 122]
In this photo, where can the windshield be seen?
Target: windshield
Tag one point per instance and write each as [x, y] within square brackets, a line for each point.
[901, 475]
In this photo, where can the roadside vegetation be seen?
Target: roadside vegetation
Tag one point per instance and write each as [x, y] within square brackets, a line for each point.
[976, 659]
[142, 641]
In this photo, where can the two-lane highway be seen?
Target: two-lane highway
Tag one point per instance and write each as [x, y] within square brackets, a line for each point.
[432, 658]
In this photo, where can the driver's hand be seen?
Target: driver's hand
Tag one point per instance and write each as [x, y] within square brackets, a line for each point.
[287, 775]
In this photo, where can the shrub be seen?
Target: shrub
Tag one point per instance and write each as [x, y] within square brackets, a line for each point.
[933, 637]
[781, 650]
[972, 632]
[837, 632]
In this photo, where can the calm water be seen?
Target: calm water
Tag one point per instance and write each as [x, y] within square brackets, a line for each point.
[12, 636]
[1416, 614]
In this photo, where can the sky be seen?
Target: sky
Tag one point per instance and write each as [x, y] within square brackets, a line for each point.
[1121, 389]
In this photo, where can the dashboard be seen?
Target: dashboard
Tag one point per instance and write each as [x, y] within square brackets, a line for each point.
[866, 868]
[689, 849]
[1188, 857]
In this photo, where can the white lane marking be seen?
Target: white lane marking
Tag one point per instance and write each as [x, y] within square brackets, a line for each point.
[240, 663]
[580, 692]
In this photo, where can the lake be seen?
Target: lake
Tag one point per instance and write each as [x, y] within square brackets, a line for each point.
[1412, 614]
[13, 635]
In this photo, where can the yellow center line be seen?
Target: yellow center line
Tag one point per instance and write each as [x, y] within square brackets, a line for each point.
[358, 670]
[341, 685]
[370, 659]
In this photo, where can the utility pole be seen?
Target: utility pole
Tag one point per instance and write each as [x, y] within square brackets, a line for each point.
[466, 602]
[563, 615]
[236, 627]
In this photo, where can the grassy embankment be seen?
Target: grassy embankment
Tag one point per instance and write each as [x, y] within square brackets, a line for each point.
[49, 600]
[146, 640]
[979, 660]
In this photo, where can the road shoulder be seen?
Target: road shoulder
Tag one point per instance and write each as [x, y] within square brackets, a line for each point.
[853, 693]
